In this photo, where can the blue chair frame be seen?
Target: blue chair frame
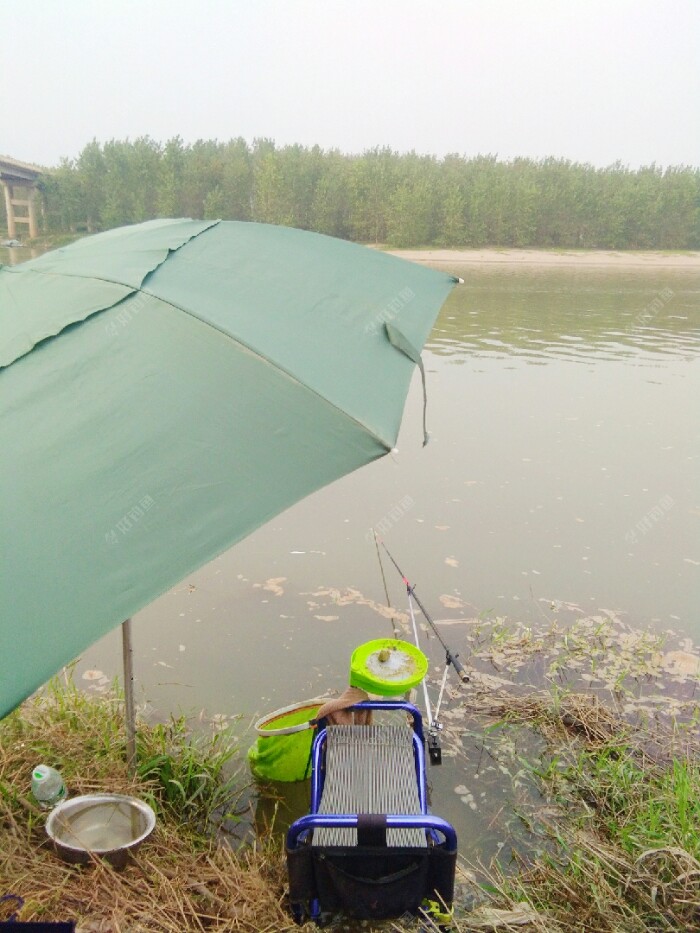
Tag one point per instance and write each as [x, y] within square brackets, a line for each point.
[441, 837]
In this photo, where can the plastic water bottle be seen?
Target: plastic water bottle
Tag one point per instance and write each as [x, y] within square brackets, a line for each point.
[48, 786]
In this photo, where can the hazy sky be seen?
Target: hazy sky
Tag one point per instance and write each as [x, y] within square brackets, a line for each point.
[588, 80]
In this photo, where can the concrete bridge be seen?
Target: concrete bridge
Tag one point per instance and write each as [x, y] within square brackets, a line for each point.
[20, 176]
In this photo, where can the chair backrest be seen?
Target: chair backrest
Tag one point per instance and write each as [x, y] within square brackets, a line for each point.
[370, 770]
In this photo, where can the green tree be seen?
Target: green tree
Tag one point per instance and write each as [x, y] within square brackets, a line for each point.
[170, 179]
[270, 205]
[372, 184]
[411, 213]
[331, 205]
[92, 173]
[237, 180]
[379, 196]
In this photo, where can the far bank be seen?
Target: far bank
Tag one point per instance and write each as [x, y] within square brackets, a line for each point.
[595, 259]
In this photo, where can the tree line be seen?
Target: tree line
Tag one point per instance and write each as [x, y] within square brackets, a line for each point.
[379, 196]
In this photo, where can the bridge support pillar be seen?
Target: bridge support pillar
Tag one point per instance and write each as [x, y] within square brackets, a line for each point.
[29, 203]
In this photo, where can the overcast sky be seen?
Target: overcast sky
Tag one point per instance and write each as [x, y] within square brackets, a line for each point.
[588, 80]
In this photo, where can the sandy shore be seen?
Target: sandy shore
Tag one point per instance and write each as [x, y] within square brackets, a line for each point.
[600, 259]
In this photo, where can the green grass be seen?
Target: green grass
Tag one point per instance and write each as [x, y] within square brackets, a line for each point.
[623, 855]
[185, 876]
[643, 805]
[191, 775]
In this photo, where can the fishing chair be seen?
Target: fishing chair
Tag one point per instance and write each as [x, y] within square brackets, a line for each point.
[368, 846]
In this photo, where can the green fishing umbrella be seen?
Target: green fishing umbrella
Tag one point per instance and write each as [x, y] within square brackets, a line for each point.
[167, 388]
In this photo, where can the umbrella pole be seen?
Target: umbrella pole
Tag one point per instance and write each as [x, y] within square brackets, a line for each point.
[129, 708]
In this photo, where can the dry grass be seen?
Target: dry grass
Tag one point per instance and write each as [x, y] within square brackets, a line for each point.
[180, 880]
[594, 887]
[171, 886]
[623, 853]
[570, 715]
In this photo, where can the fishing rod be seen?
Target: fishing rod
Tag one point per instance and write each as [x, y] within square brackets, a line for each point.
[434, 724]
[450, 658]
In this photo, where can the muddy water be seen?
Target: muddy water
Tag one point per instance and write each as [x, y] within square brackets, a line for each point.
[560, 485]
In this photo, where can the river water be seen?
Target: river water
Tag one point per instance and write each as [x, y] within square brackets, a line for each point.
[562, 471]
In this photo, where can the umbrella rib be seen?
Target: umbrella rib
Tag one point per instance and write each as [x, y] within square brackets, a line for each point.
[144, 291]
[140, 289]
[133, 289]
[382, 441]
[167, 250]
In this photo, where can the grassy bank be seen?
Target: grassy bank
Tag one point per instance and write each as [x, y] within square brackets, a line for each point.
[614, 844]
[181, 879]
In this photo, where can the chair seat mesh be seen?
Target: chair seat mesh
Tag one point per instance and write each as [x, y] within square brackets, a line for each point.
[369, 769]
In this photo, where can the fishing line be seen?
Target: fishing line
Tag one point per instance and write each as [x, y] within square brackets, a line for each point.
[386, 589]
[434, 725]
[450, 657]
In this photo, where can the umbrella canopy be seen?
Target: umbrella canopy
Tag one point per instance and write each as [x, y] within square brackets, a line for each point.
[166, 389]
